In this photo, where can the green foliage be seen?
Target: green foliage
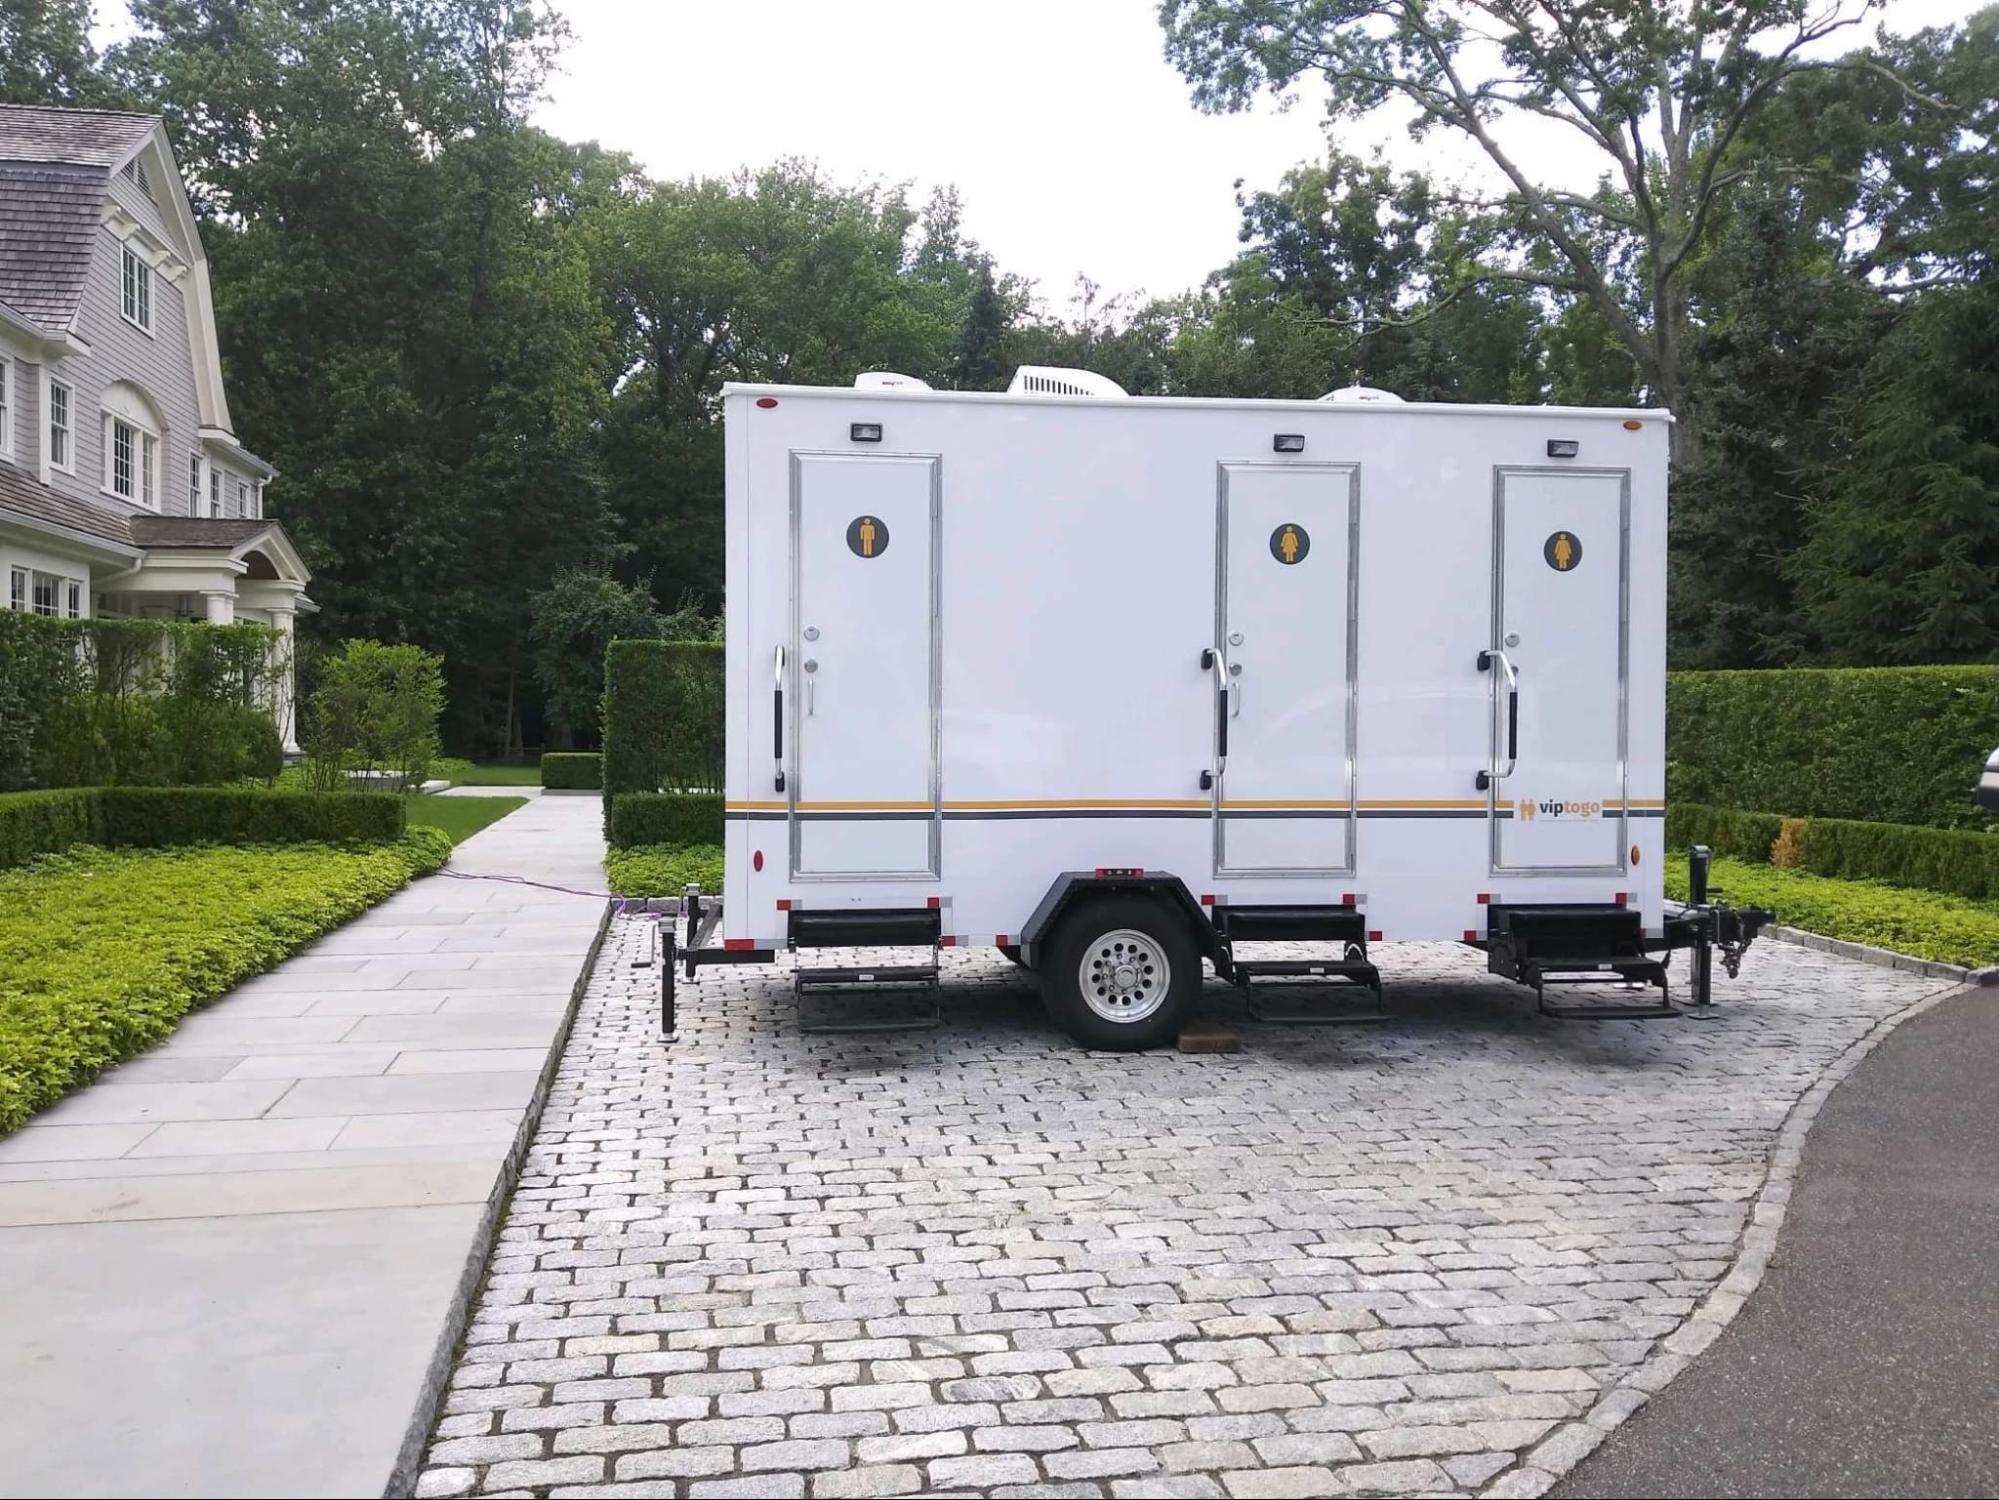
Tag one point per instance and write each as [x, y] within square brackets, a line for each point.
[376, 708]
[1944, 929]
[663, 707]
[458, 818]
[38, 670]
[46, 55]
[36, 823]
[652, 870]
[573, 772]
[638, 818]
[1888, 745]
[96, 739]
[1729, 833]
[102, 953]
[33, 823]
[575, 619]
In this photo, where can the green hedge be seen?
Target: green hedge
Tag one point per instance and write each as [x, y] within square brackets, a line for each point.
[567, 771]
[1946, 929]
[663, 717]
[1954, 862]
[103, 952]
[664, 869]
[665, 818]
[34, 823]
[1876, 744]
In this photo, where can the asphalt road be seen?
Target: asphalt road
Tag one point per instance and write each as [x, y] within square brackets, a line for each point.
[1867, 1363]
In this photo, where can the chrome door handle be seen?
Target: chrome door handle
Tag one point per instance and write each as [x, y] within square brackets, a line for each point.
[1492, 774]
[777, 716]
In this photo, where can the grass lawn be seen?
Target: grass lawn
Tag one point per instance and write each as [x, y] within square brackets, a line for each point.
[102, 952]
[1927, 924]
[458, 817]
[663, 869]
[467, 773]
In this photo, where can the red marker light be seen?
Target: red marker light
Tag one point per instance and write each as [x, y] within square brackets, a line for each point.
[1485, 898]
[766, 402]
[1470, 936]
[784, 905]
[1348, 899]
[757, 860]
[1374, 937]
[739, 944]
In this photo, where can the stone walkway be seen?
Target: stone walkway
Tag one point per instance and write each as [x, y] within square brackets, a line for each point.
[1434, 1255]
[226, 1267]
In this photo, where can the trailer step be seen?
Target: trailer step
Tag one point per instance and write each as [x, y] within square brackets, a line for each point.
[1620, 971]
[877, 997]
[1291, 924]
[842, 927]
[1330, 990]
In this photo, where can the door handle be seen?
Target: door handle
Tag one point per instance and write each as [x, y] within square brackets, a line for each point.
[1492, 774]
[777, 716]
[1212, 661]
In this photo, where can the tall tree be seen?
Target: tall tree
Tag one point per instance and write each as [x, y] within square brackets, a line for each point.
[1659, 92]
[46, 55]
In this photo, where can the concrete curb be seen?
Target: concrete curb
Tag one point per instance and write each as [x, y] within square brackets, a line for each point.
[423, 1420]
[1886, 958]
[1574, 1440]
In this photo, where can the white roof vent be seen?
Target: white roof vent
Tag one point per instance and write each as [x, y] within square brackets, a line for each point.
[1357, 394]
[888, 380]
[1054, 380]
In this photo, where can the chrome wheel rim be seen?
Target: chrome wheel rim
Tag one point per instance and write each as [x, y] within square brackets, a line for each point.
[1124, 976]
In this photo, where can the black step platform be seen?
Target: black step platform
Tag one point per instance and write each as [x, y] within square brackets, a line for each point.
[870, 997]
[1330, 985]
[1544, 946]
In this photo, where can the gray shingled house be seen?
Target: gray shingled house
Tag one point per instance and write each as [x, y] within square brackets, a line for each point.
[123, 489]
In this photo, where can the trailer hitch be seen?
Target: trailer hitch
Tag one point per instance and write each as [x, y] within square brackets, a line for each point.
[1706, 925]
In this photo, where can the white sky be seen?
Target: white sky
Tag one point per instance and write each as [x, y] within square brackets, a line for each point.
[1072, 141]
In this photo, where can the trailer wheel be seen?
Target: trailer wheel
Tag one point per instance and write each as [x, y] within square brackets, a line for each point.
[1121, 973]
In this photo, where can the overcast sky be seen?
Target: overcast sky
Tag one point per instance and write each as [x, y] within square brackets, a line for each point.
[1072, 141]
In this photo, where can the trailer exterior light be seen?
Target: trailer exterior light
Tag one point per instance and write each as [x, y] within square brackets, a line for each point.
[1288, 442]
[864, 432]
[767, 402]
[1563, 447]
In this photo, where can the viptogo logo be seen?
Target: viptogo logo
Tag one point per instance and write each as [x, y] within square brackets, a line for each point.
[1555, 807]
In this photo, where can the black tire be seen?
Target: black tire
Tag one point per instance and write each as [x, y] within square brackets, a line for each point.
[1011, 953]
[1088, 926]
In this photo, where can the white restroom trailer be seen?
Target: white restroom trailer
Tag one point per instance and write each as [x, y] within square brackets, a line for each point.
[1127, 685]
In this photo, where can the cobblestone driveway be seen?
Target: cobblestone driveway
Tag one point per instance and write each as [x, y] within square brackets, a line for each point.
[1391, 1259]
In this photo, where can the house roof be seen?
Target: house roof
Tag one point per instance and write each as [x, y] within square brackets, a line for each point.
[76, 137]
[55, 165]
[21, 496]
[194, 531]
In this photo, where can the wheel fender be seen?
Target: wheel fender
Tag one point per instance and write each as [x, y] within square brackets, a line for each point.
[1074, 887]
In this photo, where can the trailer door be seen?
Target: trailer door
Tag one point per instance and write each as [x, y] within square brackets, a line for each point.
[1558, 668]
[1285, 642]
[864, 667]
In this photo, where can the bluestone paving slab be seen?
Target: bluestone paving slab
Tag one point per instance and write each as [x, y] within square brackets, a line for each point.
[244, 1255]
[248, 1368]
[405, 1094]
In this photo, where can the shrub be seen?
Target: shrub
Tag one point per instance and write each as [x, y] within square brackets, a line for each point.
[1788, 851]
[663, 709]
[1730, 834]
[665, 818]
[1944, 929]
[102, 953]
[1877, 744]
[37, 823]
[38, 669]
[1959, 863]
[574, 621]
[101, 739]
[376, 708]
[664, 869]
[573, 771]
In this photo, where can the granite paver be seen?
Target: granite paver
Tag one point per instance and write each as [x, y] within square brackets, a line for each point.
[1385, 1259]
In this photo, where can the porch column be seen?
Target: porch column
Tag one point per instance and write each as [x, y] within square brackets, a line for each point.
[285, 683]
[221, 606]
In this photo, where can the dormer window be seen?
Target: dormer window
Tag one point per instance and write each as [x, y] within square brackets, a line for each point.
[138, 291]
[62, 435]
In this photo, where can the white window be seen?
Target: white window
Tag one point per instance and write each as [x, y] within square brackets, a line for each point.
[17, 588]
[48, 588]
[6, 407]
[122, 456]
[62, 433]
[138, 291]
[73, 595]
[257, 501]
[194, 484]
[214, 491]
[242, 498]
[149, 459]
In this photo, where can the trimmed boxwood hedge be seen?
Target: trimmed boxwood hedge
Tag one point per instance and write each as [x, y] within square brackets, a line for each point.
[653, 870]
[663, 717]
[1874, 744]
[34, 823]
[566, 771]
[666, 818]
[1955, 862]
